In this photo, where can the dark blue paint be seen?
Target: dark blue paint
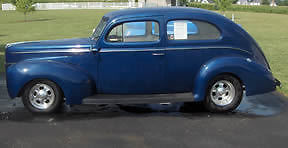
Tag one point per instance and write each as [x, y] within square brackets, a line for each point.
[186, 66]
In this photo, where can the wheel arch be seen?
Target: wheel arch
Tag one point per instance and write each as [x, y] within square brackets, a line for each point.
[248, 72]
[69, 78]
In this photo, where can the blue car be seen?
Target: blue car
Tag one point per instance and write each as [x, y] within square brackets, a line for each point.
[145, 55]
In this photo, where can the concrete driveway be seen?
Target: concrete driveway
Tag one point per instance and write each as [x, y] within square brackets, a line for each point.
[260, 121]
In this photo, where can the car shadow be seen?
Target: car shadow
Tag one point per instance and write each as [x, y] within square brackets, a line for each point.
[269, 104]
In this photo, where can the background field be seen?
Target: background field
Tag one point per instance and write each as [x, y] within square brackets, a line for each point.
[270, 31]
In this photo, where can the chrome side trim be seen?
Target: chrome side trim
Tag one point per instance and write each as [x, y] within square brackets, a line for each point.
[73, 50]
[132, 50]
[209, 47]
[192, 48]
[203, 47]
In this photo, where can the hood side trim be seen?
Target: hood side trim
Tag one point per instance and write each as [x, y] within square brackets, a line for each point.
[74, 50]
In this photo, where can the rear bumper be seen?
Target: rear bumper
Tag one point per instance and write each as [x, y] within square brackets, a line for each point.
[278, 83]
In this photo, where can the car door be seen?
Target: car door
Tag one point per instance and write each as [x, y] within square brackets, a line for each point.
[186, 41]
[132, 58]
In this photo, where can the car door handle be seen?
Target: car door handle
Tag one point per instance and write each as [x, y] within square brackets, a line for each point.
[158, 54]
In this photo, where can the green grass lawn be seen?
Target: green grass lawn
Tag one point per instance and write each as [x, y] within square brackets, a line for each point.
[269, 30]
[271, 33]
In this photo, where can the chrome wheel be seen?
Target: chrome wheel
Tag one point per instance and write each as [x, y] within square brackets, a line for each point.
[41, 96]
[222, 93]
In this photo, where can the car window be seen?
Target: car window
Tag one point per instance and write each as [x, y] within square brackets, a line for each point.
[191, 30]
[134, 32]
[134, 29]
[115, 34]
[155, 28]
[98, 30]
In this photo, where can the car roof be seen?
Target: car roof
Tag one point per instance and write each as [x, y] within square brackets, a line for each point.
[163, 11]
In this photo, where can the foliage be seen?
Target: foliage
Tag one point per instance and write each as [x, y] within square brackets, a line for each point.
[244, 8]
[223, 5]
[282, 2]
[265, 2]
[183, 2]
[203, 6]
[55, 1]
[24, 6]
[234, 1]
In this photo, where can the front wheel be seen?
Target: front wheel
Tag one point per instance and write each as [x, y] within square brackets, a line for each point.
[224, 93]
[42, 96]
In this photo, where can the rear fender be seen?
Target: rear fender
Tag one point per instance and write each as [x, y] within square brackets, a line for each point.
[255, 77]
[74, 82]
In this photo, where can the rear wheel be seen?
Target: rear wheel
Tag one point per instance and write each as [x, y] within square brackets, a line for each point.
[224, 93]
[42, 96]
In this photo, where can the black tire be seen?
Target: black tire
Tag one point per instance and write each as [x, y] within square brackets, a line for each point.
[212, 107]
[53, 108]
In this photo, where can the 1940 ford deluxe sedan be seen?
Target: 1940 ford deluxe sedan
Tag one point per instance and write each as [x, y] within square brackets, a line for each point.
[145, 55]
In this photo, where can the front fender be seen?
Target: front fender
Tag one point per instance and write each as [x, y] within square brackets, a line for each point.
[256, 78]
[74, 82]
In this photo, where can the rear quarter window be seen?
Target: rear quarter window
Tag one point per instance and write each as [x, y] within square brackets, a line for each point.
[192, 30]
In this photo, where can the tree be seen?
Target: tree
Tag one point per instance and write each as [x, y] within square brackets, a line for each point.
[273, 3]
[13, 2]
[24, 6]
[265, 2]
[183, 2]
[282, 2]
[223, 5]
[234, 1]
[2, 1]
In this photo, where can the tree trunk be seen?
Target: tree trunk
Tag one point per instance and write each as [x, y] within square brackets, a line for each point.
[25, 17]
[273, 3]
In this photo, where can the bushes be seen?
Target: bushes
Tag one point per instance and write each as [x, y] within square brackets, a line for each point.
[282, 2]
[265, 2]
[245, 8]
[262, 9]
[203, 6]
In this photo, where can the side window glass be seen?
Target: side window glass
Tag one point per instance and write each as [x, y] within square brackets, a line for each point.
[135, 32]
[155, 29]
[134, 29]
[191, 30]
[115, 34]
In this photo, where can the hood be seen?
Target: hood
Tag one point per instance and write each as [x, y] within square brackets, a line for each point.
[49, 45]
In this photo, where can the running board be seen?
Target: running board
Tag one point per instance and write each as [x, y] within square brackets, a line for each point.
[138, 99]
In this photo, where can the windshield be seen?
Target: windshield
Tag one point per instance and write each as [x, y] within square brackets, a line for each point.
[98, 30]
